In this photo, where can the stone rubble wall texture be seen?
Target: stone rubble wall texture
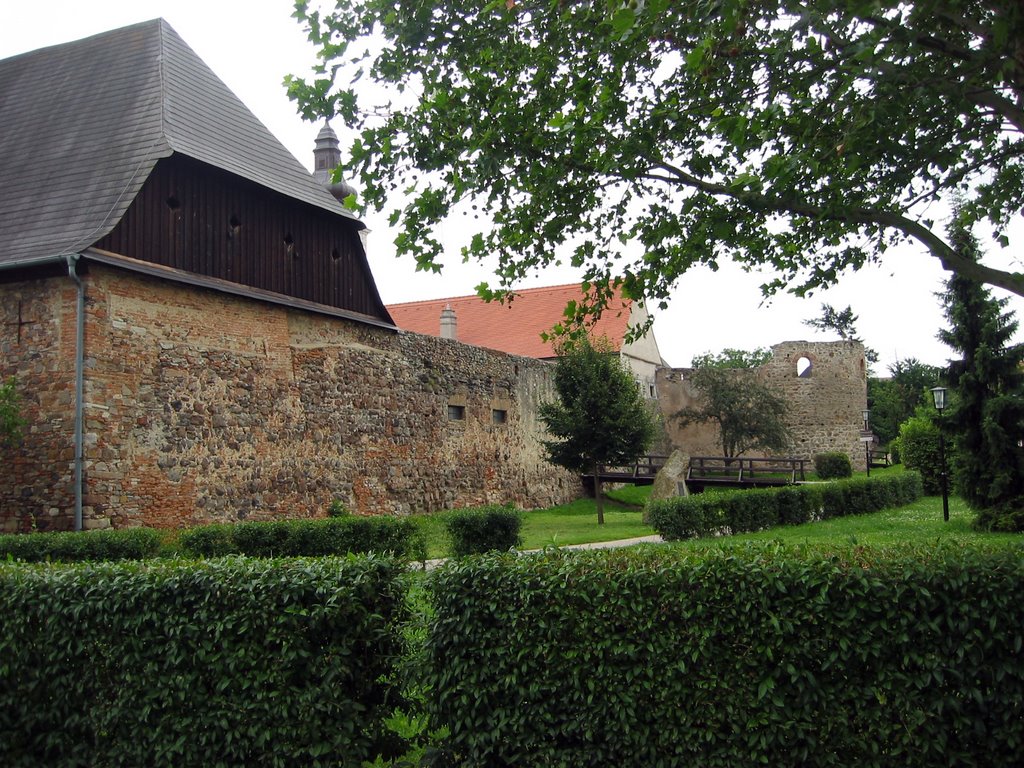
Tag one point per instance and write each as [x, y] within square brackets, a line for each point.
[202, 407]
[825, 407]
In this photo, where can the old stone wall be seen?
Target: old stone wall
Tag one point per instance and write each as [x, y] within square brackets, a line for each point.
[37, 343]
[824, 383]
[205, 407]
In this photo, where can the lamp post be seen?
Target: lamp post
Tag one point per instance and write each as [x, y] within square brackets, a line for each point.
[866, 437]
[939, 396]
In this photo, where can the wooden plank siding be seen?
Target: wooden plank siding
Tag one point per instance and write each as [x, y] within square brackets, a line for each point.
[197, 218]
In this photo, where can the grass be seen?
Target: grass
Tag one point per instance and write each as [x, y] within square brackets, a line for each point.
[573, 523]
[576, 523]
[917, 523]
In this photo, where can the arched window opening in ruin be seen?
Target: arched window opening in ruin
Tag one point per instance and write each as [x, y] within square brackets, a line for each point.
[804, 366]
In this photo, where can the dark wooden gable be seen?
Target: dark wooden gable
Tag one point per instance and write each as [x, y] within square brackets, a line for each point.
[193, 217]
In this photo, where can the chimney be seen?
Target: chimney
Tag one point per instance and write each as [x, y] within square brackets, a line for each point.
[449, 325]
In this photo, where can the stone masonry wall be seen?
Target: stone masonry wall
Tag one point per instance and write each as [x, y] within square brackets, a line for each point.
[203, 407]
[825, 405]
[37, 344]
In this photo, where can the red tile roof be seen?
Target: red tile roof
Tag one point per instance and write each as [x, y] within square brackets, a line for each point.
[514, 327]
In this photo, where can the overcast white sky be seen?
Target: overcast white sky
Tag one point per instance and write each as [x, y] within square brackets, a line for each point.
[252, 44]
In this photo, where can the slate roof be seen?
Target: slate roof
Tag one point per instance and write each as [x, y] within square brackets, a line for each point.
[83, 124]
[515, 327]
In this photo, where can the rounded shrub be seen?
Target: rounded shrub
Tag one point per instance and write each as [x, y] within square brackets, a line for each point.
[476, 530]
[832, 465]
[919, 450]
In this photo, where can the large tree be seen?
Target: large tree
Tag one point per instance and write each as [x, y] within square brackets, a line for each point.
[749, 414]
[987, 417]
[893, 400]
[647, 136]
[600, 417]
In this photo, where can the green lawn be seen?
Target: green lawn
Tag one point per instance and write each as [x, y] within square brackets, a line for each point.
[576, 523]
[917, 523]
[573, 523]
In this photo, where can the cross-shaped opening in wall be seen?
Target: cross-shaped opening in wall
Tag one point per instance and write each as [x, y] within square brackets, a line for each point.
[21, 321]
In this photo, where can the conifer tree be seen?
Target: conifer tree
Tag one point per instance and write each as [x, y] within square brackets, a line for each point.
[987, 414]
[600, 417]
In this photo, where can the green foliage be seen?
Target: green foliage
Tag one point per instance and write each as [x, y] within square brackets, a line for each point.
[733, 358]
[895, 399]
[124, 544]
[742, 511]
[749, 413]
[235, 662]
[919, 450]
[832, 465]
[744, 656]
[305, 538]
[641, 141]
[600, 417]
[987, 413]
[11, 421]
[337, 508]
[844, 324]
[483, 529]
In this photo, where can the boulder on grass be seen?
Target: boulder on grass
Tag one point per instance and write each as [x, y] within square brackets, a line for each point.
[671, 478]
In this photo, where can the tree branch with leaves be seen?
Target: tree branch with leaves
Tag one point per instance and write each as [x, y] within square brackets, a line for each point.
[638, 139]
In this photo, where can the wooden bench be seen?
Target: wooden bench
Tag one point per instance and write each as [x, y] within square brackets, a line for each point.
[878, 459]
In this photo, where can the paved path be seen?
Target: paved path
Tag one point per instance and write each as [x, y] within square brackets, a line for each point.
[655, 539]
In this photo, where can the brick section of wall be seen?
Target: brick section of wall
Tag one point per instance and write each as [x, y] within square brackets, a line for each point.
[204, 407]
[824, 407]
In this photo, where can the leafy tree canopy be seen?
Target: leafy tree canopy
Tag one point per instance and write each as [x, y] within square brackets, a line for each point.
[750, 415]
[599, 418]
[804, 135]
[895, 399]
[733, 358]
[844, 323]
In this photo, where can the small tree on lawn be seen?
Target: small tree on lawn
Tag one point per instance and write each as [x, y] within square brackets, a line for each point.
[600, 417]
[987, 415]
[750, 414]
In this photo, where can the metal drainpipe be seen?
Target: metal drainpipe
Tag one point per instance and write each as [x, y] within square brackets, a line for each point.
[72, 260]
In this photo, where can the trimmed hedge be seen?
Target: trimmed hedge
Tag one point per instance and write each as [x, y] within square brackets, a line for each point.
[123, 544]
[741, 511]
[476, 530]
[305, 538]
[213, 663]
[747, 656]
[832, 465]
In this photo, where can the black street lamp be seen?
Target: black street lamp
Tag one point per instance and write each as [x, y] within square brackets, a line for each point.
[867, 438]
[939, 396]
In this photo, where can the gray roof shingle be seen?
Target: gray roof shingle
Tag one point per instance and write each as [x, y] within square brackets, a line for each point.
[83, 124]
